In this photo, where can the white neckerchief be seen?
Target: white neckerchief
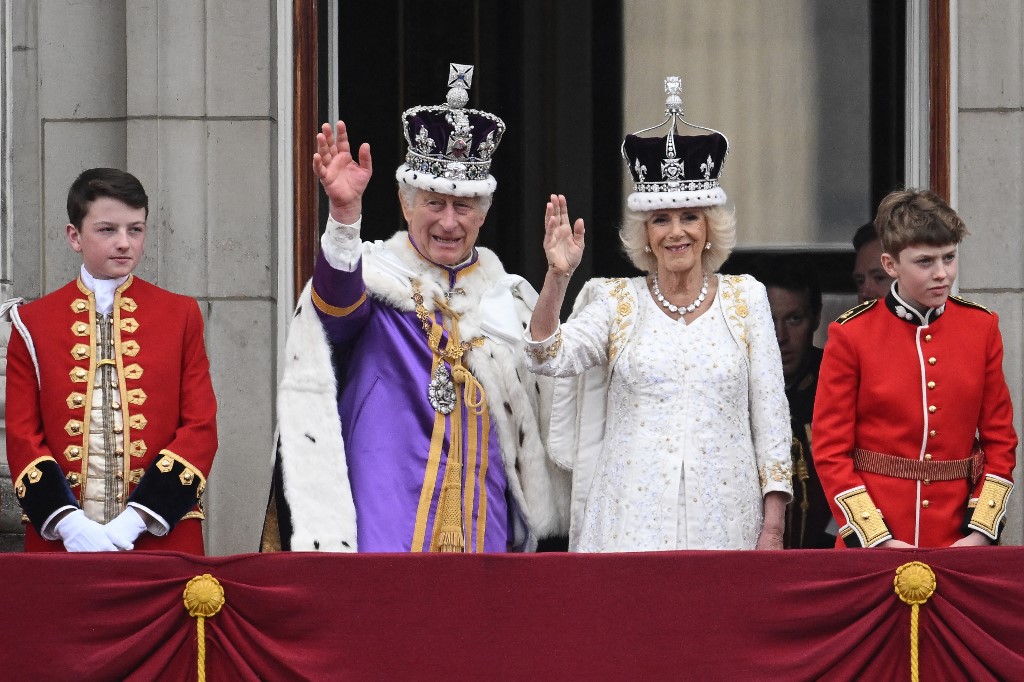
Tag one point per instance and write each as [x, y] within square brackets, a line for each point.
[103, 289]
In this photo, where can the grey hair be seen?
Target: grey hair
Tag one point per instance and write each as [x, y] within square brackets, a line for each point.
[408, 194]
[721, 222]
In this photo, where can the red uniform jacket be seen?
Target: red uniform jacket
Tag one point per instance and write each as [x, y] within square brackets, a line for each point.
[920, 388]
[166, 397]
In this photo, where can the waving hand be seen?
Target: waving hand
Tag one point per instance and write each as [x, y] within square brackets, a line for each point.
[563, 242]
[342, 177]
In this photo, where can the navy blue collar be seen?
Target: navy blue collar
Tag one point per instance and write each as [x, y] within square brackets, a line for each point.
[908, 313]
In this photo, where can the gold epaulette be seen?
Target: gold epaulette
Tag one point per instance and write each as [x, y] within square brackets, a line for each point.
[970, 304]
[856, 310]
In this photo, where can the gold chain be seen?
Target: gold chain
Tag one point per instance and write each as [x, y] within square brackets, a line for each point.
[452, 353]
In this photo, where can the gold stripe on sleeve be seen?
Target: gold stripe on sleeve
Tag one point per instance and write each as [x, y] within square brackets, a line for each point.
[333, 310]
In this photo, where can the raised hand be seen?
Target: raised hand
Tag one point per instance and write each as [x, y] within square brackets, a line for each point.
[563, 242]
[341, 176]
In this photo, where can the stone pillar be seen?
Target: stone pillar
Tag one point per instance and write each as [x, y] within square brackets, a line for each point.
[990, 186]
[201, 135]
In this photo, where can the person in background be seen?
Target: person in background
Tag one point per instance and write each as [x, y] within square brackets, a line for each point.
[680, 438]
[913, 426]
[794, 296]
[870, 278]
[424, 434]
[111, 416]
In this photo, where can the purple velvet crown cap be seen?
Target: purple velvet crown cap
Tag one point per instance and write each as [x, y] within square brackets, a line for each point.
[450, 147]
[672, 170]
[690, 179]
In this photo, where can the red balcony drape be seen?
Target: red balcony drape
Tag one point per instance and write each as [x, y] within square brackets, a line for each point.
[676, 615]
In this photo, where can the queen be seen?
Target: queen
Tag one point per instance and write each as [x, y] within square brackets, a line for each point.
[671, 413]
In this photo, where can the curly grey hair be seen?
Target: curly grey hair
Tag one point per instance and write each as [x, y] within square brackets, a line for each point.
[721, 222]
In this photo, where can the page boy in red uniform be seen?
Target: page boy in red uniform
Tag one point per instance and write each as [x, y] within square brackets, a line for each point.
[111, 416]
[913, 427]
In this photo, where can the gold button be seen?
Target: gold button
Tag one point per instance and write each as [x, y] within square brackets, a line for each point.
[118, 429]
[120, 498]
[80, 373]
[866, 515]
[113, 383]
[118, 451]
[933, 433]
[931, 384]
[927, 481]
[927, 338]
[82, 328]
[73, 450]
[932, 408]
[991, 503]
[928, 455]
[115, 406]
[120, 475]
[924, 503]
[80, 306]
[77, 400]
[932, 361]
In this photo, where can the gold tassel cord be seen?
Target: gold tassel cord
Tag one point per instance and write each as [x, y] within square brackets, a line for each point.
[449, 527]
[915, 584]
[204, 598]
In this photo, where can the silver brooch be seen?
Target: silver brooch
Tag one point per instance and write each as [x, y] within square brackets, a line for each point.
[441, 391]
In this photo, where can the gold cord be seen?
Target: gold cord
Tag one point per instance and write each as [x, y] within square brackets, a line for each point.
[204, 598]
[449, 528]
[915, 584]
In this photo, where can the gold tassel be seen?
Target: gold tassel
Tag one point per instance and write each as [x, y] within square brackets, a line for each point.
[448, 532]
[204, 598]
[915, 584]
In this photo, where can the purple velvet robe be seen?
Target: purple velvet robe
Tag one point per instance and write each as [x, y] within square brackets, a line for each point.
[396, 455]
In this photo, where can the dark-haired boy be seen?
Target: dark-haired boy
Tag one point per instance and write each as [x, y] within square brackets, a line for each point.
[913, 427]
[111, 416]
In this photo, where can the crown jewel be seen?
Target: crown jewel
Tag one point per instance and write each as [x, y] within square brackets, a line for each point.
[450, 146]
[674, 171]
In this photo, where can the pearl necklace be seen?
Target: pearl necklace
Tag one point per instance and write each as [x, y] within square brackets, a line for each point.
[681, 309]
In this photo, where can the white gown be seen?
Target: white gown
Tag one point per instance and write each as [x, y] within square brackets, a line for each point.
[678, 467]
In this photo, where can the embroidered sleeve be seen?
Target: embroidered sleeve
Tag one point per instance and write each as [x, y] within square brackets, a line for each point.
[864, 525]
[989, 508]
[999, 440]
[769, 409]
[582, 342]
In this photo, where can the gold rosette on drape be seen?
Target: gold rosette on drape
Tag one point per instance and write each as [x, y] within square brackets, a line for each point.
[915, 584]
[204, 598]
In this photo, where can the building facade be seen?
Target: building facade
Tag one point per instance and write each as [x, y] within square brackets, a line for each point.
[195, 98]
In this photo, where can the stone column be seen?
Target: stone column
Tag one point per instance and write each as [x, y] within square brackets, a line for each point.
[990, 187]
[201, 135]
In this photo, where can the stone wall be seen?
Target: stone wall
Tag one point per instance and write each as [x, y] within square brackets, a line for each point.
[990, 186]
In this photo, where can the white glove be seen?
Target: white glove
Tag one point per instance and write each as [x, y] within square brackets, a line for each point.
[125, 528]
[82, 534]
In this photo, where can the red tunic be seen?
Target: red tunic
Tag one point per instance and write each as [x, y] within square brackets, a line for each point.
[166, 401]
[919, 389]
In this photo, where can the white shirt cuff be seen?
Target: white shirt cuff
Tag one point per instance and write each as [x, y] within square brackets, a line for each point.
[48, 531]
[341, 244]
[155, 523]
